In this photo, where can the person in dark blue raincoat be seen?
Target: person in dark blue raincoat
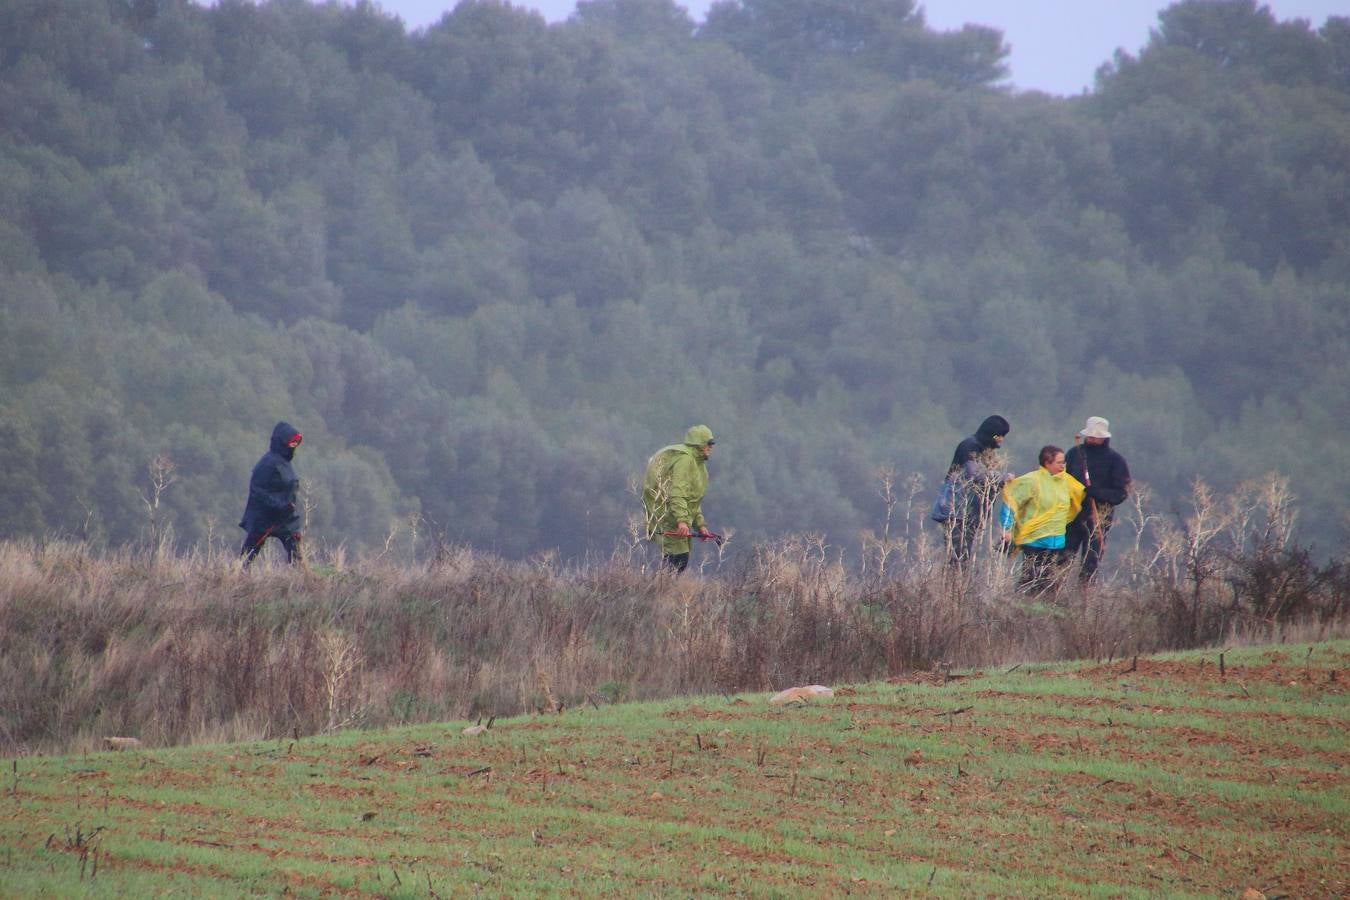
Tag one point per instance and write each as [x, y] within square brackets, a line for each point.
[976, 470]
[273, 489]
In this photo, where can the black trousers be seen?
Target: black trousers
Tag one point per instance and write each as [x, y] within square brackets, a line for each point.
[1039, 569]
[964, 531]
[1088, 542]
[677, 561]
[253, 545]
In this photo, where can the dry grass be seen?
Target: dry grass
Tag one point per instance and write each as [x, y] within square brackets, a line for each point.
[190, 648]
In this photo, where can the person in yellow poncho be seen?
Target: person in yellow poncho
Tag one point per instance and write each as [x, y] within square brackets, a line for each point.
[672, 495]
[1035, 512]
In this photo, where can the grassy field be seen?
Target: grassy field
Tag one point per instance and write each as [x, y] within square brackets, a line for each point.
[1165, 776]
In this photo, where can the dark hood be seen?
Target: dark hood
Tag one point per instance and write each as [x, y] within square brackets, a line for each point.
[282, 434]
[990, 428]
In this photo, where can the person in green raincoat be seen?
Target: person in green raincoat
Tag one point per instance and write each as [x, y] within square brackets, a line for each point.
[672, 495]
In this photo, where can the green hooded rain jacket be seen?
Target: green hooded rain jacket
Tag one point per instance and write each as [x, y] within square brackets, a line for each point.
[673, 488]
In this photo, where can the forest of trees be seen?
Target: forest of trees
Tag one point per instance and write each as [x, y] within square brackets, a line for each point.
[487, 267]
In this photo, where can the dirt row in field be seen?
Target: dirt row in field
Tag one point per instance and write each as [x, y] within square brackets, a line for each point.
[963, 774]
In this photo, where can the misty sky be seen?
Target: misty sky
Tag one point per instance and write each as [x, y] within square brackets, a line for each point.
[1057, 45]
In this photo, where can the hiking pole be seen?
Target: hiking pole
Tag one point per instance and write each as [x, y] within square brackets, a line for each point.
[702, 537]
[256, 548]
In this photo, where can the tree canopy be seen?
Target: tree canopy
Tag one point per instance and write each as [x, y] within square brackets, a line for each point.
[490, 265]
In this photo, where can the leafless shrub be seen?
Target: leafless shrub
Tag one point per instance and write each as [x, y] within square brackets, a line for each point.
[341, 662]
[1271, 580]
[162, 474]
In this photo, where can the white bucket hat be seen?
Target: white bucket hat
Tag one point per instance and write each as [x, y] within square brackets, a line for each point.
[1096, 427]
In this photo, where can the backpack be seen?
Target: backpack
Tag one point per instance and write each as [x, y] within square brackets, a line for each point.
[944, 507]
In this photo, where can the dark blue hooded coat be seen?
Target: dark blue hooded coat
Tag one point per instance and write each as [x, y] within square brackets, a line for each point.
[273, 488]
[979, 484]
[983, 439]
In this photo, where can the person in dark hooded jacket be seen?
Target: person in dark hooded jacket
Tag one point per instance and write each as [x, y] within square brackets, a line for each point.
[1107, 477]
[272, 492]
[979, 479]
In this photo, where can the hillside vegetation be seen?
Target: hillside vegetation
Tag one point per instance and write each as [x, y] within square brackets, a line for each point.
[488, 266]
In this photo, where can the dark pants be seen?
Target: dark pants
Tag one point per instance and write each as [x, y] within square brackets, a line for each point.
[964, 532]
[677, 561]
[1086, 541]
[1039, 569]
[253, 545]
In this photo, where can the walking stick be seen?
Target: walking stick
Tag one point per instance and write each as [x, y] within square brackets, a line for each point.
[256, 548]
[702, 537]
[265, 535]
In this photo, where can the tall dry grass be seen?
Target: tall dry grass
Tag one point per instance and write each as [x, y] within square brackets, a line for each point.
[176, 648]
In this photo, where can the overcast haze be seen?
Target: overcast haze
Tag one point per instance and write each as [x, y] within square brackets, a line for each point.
[1057, 45]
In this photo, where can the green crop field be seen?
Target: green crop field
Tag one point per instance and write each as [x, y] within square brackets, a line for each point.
[1162, 776]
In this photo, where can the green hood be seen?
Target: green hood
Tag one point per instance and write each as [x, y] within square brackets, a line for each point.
[698, 436]
[673, 488]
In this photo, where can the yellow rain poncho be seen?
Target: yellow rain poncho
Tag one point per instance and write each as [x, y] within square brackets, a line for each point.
[1039, 507]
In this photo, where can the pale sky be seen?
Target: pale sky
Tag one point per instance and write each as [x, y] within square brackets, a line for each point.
[1057, 45]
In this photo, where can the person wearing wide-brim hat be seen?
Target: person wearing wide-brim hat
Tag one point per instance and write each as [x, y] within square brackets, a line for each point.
[1106, 476]
[672, 495]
